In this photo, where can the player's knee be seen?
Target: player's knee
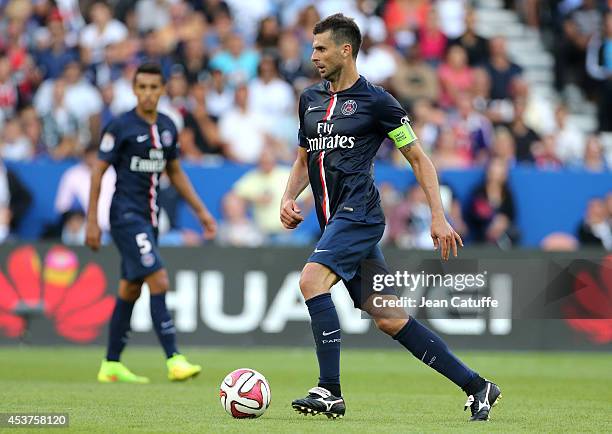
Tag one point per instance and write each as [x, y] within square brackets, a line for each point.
[390, 326]
[129, 293]
[158, 282]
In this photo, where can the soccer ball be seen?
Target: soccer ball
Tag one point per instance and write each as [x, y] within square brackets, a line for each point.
[245, 393]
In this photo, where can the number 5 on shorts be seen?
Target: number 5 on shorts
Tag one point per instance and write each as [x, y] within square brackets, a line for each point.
[143, 243]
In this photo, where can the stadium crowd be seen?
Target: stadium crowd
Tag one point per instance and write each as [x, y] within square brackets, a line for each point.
[235, 68]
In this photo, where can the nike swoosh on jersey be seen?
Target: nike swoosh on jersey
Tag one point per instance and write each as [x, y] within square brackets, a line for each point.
[330, 333]
[318, 251]
[141, 139]
[313, 108]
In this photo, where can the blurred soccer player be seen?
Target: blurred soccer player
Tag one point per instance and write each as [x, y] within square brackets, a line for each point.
[343, 121]
[141, 144]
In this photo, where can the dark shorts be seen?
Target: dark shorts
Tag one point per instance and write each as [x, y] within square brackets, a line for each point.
[137, 244]
[350, 249]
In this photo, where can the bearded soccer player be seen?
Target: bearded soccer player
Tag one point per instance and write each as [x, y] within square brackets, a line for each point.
[343, 121]
[140, 145]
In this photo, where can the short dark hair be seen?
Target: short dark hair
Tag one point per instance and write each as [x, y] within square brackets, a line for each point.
[343, 30]
[149, 68]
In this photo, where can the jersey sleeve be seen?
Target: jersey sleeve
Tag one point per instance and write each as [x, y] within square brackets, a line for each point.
[110, 143]
[302, 141]
[394, 121]
[173, 149]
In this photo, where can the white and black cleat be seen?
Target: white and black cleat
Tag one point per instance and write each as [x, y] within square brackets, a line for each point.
[320, 401]
[480, 404]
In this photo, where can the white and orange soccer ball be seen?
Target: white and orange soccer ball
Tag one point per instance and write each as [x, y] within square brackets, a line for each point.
[245, 393]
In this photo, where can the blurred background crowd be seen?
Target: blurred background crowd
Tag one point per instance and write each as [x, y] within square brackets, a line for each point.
[488, 83]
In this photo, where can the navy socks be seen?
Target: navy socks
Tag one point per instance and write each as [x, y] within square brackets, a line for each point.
[119, 328]
[431, 350]
[163, 324]
[327, 336]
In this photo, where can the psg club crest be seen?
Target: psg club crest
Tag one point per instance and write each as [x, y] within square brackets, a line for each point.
[349, 107]
[166, 138]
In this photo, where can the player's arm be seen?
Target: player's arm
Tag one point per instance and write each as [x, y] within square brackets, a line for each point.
[181, 182]
[93, 233]
[298, 180]
[394, 122]
[442, 233]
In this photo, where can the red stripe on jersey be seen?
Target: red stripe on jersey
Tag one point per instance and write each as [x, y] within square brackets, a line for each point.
[325, 202]
[154, 177]
[330, 108]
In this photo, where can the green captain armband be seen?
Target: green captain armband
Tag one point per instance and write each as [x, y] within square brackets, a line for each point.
[402, 135]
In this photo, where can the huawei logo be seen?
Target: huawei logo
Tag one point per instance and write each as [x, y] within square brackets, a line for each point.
[74, 301]
[590, 311]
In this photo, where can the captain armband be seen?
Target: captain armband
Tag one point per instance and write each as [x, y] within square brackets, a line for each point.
[402, 135]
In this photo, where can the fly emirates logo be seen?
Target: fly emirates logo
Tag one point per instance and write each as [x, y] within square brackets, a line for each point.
[327, 140]
[155, 163]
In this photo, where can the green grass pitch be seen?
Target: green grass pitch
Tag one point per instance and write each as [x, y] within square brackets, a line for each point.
[385, 391]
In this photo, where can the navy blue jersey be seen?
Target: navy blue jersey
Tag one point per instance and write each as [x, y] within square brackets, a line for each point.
[342, 132]
[138, 151]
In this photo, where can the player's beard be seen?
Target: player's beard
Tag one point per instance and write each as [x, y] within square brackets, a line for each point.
[332, 73]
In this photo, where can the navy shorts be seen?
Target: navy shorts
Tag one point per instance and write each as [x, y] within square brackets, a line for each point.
[137, 244]
[350, 249]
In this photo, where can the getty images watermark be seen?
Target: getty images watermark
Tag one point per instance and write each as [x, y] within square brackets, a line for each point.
[466, 285]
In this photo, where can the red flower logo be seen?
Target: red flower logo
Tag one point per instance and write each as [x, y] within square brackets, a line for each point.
[76, 303]
[592, 312]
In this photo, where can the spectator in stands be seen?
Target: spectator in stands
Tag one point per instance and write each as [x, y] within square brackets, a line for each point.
[102, 30]
[410, 223]
[427, 122]
[73, 189]
[81, 99]
[405, 15]
[415, 79]
[14, 144]
[559, 242]
[447, 154]
[219, 96]
[237, 63]
[594, 159]
[15, 200]
[431, 39]
[32, 127]
[452, 15]
[491, 212]
[263, 188]
[570, 139]
[595, 229]
[571, 45]
[455, 75]
[476, 46]
[59, 122]
[243, 131]
[376, 62]
[236, 229]
[9, 94]
[268, 35]
[73, 228]
[545, 153]
[152, 15]
[473, 131]
[53, 56]
[504, 147]
[193, 57]
[111, 67]
[268, 93]
[292, 65]
[501, 70]
[153, 50]
[599, 67]
[524, 137]
[200, 128]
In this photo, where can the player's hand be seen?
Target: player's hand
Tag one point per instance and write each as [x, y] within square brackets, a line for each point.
[93, 236]
[290, 214]
[209, 224]
[445, 238]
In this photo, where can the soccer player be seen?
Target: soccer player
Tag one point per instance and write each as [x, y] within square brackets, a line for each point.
[141, 144]
[343, 121]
